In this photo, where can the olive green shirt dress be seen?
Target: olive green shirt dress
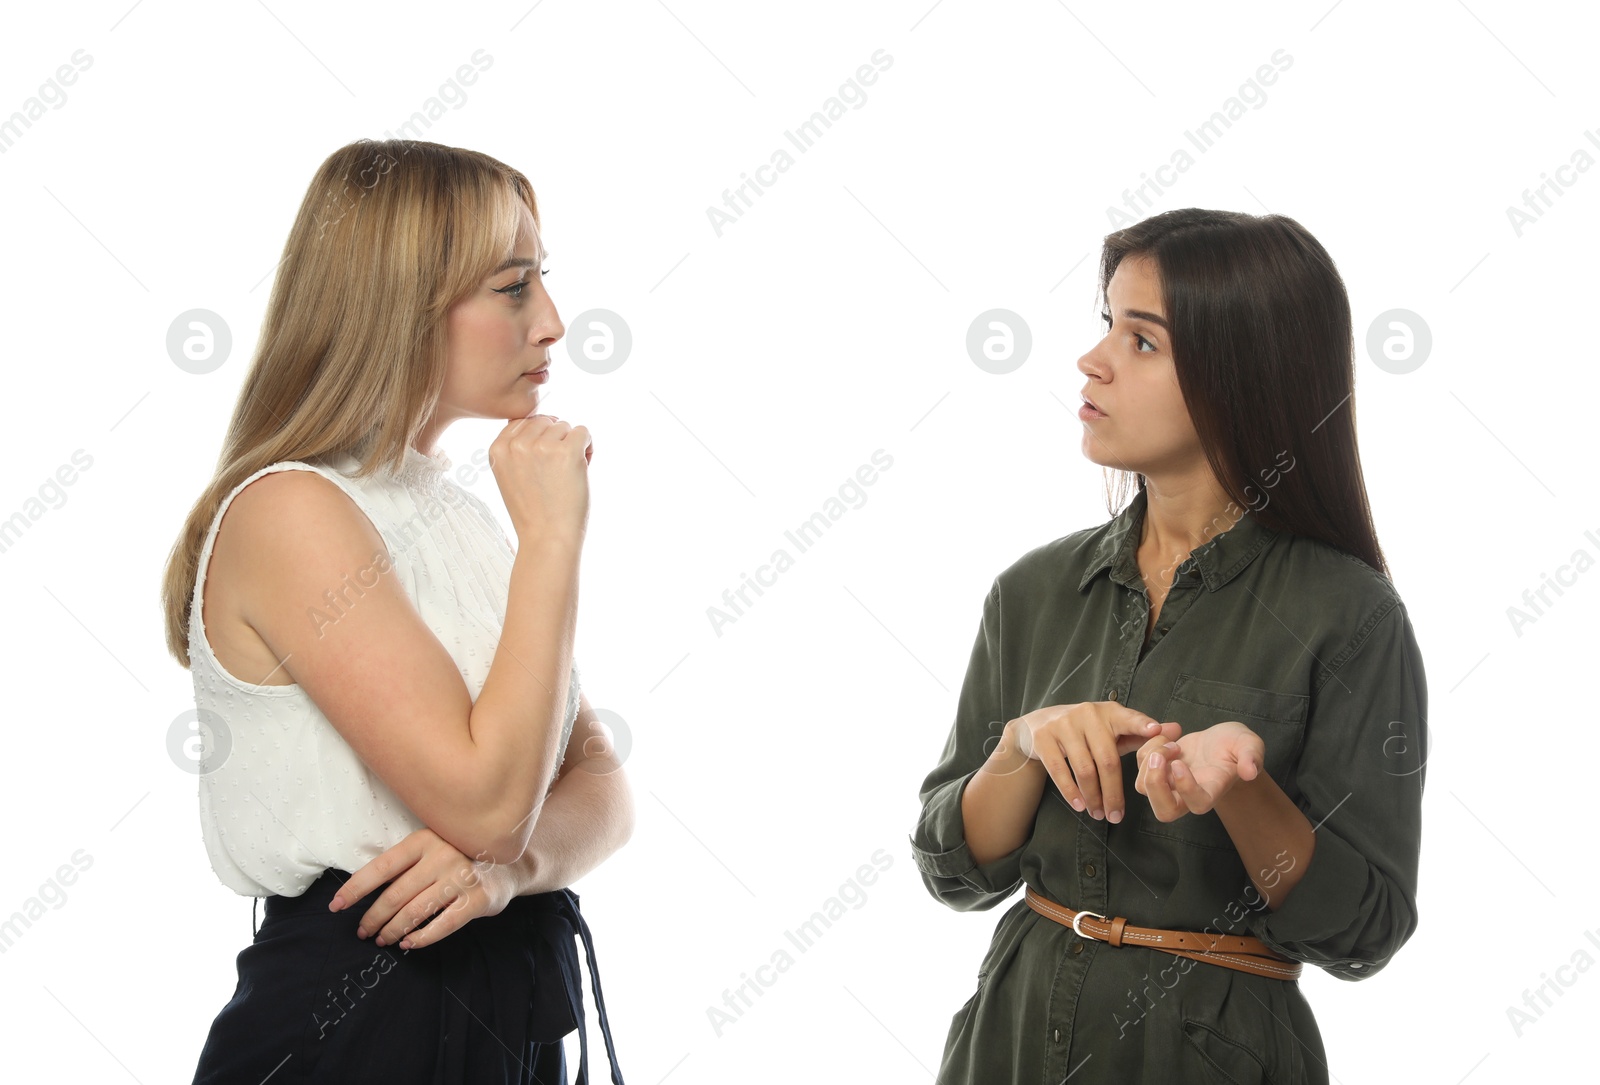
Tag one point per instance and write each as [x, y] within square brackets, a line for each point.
[1309, 647]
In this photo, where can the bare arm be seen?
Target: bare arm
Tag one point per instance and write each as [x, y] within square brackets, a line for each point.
[1273, 837]
[1000, 802]
[588, 815]
[476, 773]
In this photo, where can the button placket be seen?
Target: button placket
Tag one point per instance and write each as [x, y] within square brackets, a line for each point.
[1185, 590]
[1091, 859]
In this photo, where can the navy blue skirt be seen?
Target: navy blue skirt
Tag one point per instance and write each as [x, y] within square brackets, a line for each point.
[490, 1002]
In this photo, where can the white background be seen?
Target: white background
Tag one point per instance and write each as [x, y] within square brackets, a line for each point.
[768, 364]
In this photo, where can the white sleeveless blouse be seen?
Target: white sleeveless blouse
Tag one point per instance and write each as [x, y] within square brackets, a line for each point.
[282, 795]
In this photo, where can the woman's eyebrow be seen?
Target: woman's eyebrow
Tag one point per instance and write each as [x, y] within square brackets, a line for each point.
[1140, 314]
[521, 261]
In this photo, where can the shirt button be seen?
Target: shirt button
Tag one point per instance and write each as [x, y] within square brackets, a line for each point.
[1111, 696]
[1057, 1035]
[1088, 870]
[1077, 947]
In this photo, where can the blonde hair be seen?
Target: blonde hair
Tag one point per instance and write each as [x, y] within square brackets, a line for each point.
[352, 352]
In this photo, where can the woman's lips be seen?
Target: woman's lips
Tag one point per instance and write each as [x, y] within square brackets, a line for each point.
[538, 376]
[1088, 413]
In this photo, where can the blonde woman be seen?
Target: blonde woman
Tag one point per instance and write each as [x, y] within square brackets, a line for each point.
[399, 758]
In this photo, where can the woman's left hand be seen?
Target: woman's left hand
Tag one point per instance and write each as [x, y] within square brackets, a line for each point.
[428, 875]
[1190, 775]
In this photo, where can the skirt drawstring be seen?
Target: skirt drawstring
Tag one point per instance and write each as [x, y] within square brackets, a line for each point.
[599, 1001]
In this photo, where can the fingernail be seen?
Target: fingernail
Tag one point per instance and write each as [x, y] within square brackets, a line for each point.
[361, 932]
[335, 904]
[1077, 804]
[1155, 760]
[1099, 814]
[1114, 817]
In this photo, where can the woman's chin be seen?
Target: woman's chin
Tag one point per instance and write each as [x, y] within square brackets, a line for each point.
[1096, 453]
[519, 406]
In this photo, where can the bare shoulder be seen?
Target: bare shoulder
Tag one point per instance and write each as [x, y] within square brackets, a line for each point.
[284, 531]
[302, 510]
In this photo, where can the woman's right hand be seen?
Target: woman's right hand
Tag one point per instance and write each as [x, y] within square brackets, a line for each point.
[541, 465]
[1082, 745]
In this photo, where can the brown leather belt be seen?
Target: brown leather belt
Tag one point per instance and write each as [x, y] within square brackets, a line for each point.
[1235, 951]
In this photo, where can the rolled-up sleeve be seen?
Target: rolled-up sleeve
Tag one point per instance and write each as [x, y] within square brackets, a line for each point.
[1359, 781]
[939, 845]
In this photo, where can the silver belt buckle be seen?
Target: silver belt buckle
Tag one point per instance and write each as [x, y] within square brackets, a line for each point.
[1079, 916]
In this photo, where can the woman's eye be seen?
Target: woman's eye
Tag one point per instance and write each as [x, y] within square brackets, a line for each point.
[515, 290]
[1107, 318]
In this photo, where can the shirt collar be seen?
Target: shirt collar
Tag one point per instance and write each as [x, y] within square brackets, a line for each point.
[1216, 561]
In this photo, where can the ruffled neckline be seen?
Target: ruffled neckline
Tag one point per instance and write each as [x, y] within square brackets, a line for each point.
[416, 471]
[421, 471]
[424, 468]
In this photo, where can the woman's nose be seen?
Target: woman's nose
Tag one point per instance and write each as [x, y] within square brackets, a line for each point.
[548, 333]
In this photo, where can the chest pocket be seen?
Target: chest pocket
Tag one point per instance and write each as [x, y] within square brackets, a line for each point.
[1197, 703]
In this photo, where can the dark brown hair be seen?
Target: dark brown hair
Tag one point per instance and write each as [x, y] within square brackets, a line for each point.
[1265, 358]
